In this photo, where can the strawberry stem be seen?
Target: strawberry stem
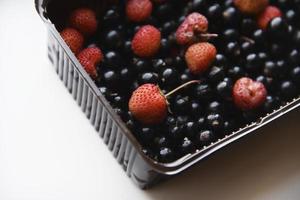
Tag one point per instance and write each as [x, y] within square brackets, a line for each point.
[180, 87]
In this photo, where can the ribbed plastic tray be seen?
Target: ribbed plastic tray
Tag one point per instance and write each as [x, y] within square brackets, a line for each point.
[125, 148]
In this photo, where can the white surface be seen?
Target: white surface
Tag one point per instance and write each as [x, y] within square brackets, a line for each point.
[48, 150]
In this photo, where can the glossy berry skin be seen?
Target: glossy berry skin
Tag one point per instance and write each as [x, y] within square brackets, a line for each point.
[231, 16]
[248, 25]
[126, 75]
[267, 15]
[248, 94]
[113, 39]
[176, 133]
[295, 75]
[288, 89]
[165, 155]
[148, 77]
[259, 37]
[205, 137]
[224, 89]
[111, 78]
[112, 59]
[186, 146]
[146, 42]
[148, 105]
[195, 108]
[191, 129]
[214, 107]
[236, 72]
[203, 92]
[233, 50]
[146, 134]
[215, 74]
[277, 28]
[161, 141]
[215, 122]
[180, 105]
[253, 62]
[271, 103]
[170, 76]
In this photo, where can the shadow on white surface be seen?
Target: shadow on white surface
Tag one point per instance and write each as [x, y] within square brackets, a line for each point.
[250, 169]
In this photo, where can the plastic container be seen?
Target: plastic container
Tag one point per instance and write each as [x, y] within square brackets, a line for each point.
[144, 171]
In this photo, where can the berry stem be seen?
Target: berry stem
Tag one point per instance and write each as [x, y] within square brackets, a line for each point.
[248, 39]
[208, 35]
[180, 87]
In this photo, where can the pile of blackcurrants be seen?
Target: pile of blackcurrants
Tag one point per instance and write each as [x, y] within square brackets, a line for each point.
[204, 112]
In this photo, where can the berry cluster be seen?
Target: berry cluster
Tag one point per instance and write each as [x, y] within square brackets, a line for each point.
[229, 61]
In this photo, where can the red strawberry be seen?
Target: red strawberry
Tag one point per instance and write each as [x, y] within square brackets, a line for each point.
[252, 7]
[84, 20]
[138, 10]
[73, 39]
[89, 58]
[248, 94]
[89, 67]
[200, 56]
[149, 105]
[94, 54]
[267, 15]
[146, 42]
[193, 25]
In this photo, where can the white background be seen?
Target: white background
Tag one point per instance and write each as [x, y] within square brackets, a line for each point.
[48, 150]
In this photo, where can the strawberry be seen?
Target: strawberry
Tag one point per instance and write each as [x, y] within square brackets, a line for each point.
[89, 67]
[248, 94]
[146, 42]
[149, 105]
[200, 56]
[138, 10]
[252, 7]
[92, 53]
[267, 15]
[73, 39]
[191, 27]
[89, 58]
[84, 20]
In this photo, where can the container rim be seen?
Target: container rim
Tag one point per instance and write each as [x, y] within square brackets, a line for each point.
[186, 161]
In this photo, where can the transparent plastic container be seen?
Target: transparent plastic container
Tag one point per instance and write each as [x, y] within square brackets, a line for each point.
[144, 171]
